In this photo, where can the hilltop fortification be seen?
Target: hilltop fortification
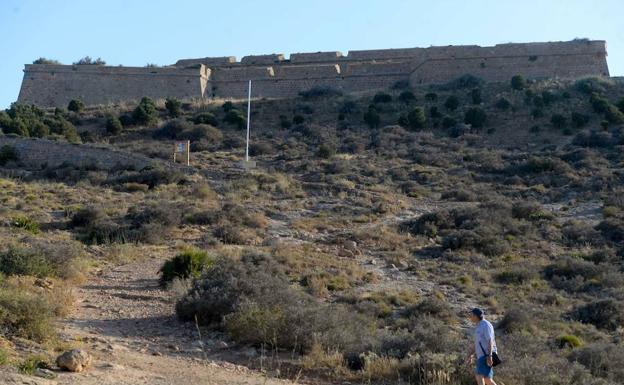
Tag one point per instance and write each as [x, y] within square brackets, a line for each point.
[274, 76]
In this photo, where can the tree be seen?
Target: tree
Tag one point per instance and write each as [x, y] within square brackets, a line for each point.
[113, 125]
[518, 82]
[614, 115]
[75, 105]
[476, 117]
[325, 151]
[88, 61]
[579, 120]
[451, 103]
[503, 103]
[475, 95]
[416, 118]
[558, 121]
[372, 118]
[407, 96]
[382, 97]
[43, 60]
[145, 113]
[173, 106]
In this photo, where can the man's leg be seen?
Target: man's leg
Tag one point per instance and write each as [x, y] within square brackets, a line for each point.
[479, 379]
[489, 381]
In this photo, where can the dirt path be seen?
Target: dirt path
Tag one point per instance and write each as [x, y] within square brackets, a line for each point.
[128, 324]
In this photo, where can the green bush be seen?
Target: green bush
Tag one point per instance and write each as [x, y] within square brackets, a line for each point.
[325, 151]
[416, 118]
[75, 105]
[43, 60]
[604, 314]
[206, 118]
[113, 125]
[603, 360]
[173, 106]
[285, 122]
[298, 119]
[24, 314]
[236, 118]
[319, 92]
[173, 129]
[620, 104]
[549, 97]
[8, 154]
[579, 120]
[227, 106]
[407, 97]
[151, 176]
[475, 96]
[431, 96]
[516, 276]
[591, 84]
[614, 115]
[188, 264]
[382, 97]
[32, 363]
[22, 261]
[503, 103]
[451, 103]
[88, 61]
[448, 122]
[558, 121]
[464, 81]
[476, 117]
[598, 103]
[516, 320]
[434, 112]
[372, 118]
[518, 82]
[25, 223]
[145, 113]
[204, 132]
[537, 113]
[86, 216]
[254, 302]
[569, 341]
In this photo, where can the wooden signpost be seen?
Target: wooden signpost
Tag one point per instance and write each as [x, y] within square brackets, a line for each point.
[182, 152]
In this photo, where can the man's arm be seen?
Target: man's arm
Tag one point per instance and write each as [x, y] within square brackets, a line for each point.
[490, 345]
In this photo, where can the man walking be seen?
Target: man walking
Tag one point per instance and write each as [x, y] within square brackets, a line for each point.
[483, 347]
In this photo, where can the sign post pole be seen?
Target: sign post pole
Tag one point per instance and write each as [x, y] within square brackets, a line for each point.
[247, 164]
[248, 121]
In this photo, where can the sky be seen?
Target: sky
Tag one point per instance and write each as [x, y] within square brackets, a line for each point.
[135, 32]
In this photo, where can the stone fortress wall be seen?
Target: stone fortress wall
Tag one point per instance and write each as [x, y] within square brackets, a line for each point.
[274, 76]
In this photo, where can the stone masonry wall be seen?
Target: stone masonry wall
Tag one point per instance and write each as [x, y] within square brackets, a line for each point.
[36, 153]
[56, 85]
[274, 76]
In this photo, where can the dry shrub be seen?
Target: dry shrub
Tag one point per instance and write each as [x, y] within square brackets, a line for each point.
[26, 314]
[319, 358]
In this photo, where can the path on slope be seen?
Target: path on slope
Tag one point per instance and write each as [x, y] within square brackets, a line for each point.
[128, 324]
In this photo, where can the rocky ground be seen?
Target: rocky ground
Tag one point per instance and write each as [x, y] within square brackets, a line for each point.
[127, 323]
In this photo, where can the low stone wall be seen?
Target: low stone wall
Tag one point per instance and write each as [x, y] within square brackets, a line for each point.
[36, 153]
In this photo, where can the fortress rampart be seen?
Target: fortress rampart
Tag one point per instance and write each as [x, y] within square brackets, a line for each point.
[274, 76]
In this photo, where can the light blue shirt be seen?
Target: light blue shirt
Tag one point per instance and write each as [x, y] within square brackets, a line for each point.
[484, 332]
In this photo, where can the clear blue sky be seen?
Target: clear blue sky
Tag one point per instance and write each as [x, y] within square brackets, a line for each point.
[133, 32]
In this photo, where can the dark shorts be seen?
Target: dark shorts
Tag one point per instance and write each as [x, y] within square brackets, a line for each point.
[483, 369]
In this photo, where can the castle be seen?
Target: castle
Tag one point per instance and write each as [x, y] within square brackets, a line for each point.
[274, 76]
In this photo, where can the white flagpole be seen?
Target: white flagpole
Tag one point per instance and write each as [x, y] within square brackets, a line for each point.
[248, 122]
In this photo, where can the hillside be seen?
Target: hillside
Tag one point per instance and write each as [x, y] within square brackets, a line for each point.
[352, 253]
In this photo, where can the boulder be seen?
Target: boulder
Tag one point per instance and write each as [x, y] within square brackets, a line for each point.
[75, 360]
